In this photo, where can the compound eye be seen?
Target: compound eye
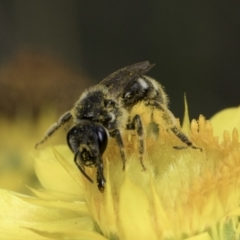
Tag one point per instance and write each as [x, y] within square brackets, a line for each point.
[102, 139]
[73, 132]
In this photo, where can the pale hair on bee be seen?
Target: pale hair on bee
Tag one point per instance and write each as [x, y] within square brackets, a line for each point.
[110, 107]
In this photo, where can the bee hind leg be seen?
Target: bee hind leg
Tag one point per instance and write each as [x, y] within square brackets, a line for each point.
[184, 139]
[137, 125]
[116, 134]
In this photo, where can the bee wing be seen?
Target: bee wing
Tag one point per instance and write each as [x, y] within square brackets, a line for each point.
[118, 81]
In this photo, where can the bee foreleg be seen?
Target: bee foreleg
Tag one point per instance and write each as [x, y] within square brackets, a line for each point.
[116, 134]
[137, 125]
[100, 177]
[184, 139]
[52, 129]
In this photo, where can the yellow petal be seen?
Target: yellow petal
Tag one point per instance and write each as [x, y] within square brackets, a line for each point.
[53, 195]
[203, 236]
[23, 217]
[186, 121]
[71, 234]
[13, 230]
[52, 175]
[76, 208]
[69, 166]
[135, 210]
[227, 119]
[181, 193]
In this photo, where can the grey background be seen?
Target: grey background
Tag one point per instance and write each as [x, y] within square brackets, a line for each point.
[195, 45]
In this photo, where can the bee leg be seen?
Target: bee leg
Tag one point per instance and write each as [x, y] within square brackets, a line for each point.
[116, 134]
[184, 139]
[137, 125]
[81, 167]
[52, 129]
[100, 177]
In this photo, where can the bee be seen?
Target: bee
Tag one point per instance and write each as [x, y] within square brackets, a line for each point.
[106, 109]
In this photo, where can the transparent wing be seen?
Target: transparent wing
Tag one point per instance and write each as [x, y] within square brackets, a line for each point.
[120, 80]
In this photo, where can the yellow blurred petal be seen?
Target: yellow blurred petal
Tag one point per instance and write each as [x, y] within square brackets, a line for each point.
[69, 167]
[66, 227]
[76, 228]
[76, 208]
[53, 195]
[203, 236]
[71, 234]
[16, 215]
[25, 217]
[52, 175]
[227, 119]
[15, 208]
[13, 230]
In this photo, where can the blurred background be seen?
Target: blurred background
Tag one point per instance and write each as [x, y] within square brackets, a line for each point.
[50, 51]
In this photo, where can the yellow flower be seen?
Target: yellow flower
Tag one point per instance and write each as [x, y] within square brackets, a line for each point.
[226, 119]
[183, 194]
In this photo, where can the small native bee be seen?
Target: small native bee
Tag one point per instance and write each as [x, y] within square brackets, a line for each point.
[105, 109]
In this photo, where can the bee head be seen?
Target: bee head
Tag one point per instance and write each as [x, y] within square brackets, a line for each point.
[88, 140]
